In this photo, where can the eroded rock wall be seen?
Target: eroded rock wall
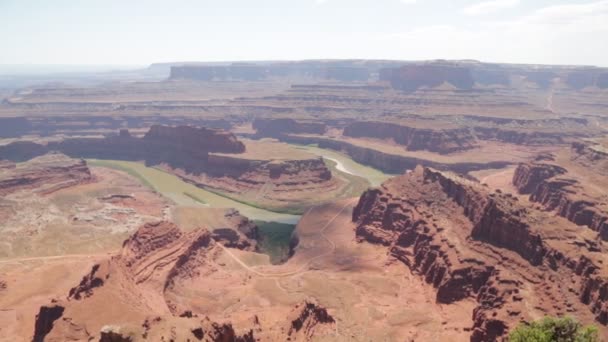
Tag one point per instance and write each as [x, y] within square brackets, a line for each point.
[415, 139]
[46, 174]
[471, 243]
[551, 186]
[413, 77]
[277, 127]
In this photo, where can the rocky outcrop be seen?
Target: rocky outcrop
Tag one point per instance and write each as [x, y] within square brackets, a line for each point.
[448, 140]
[212, 332]
[528, 176]
[45, 319]
[520, 137]
[182, 146]
[413, 77]
[306, 321]
[95, 278]
[144, 283]
[550, 186]
[241, 234]
[44, 174]
[345, 71]
[278, 127]
[242, 72]
[21, 151]
[581, 79]
[592, 156]
[388, 162]
[593, 293]
[496, 218]
[194, 139]
[415, 139]
[113, 334]
[469, 242]
[542, 79]
[273, 181]
[14, 127]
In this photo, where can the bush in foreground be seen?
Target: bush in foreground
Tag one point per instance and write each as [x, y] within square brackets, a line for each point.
[552, 329]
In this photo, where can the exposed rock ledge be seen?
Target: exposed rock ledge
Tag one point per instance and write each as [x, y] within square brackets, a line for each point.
[550, 186]
[470, 243]
[48, 173]
[133, 297]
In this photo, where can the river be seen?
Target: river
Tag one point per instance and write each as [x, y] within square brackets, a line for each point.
[186, 194]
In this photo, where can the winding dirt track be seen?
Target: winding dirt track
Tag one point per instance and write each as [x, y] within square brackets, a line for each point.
[301, 269]
[54, 257]
[306, 264]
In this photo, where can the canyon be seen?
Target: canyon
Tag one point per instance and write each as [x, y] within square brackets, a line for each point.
[469, 242]
[153, 266]
[209, 158]
[317, 200]
[572, 193]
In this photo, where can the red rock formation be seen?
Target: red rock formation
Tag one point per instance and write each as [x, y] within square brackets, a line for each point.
[94, 279]
[415, 139]
[273, 181]
[46, 174]
[520, 137]
[277, 127]
[591, 156]
[195, 139]
[415, 76]
[306, 319]
[45, 319]
[388, 162]
[242, 233]
[13, 127]
[141, 283]
[470, 243]
[548, 185]
[527, 176]
[233, 72]
[7, 165]
[22, 151]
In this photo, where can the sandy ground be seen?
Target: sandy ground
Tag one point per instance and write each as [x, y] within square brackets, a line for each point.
[88, 218]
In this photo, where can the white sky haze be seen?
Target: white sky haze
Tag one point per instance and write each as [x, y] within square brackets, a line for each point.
[142, 32]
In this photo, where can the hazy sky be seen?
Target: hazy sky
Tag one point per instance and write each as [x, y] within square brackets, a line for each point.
[142, 32]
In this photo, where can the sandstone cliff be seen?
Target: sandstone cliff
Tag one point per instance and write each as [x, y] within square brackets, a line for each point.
[556, 190]
[448, 140]
[471, 243]
[44, 174]
[413, 77]
[415, 139]
[388, 162]
[195, 139]
[306, 319]
[14, 127]
[277, 127]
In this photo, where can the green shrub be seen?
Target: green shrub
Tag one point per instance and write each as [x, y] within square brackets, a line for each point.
[551, 329]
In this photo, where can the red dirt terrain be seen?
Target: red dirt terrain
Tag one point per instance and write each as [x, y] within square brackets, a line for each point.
[136, 288]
